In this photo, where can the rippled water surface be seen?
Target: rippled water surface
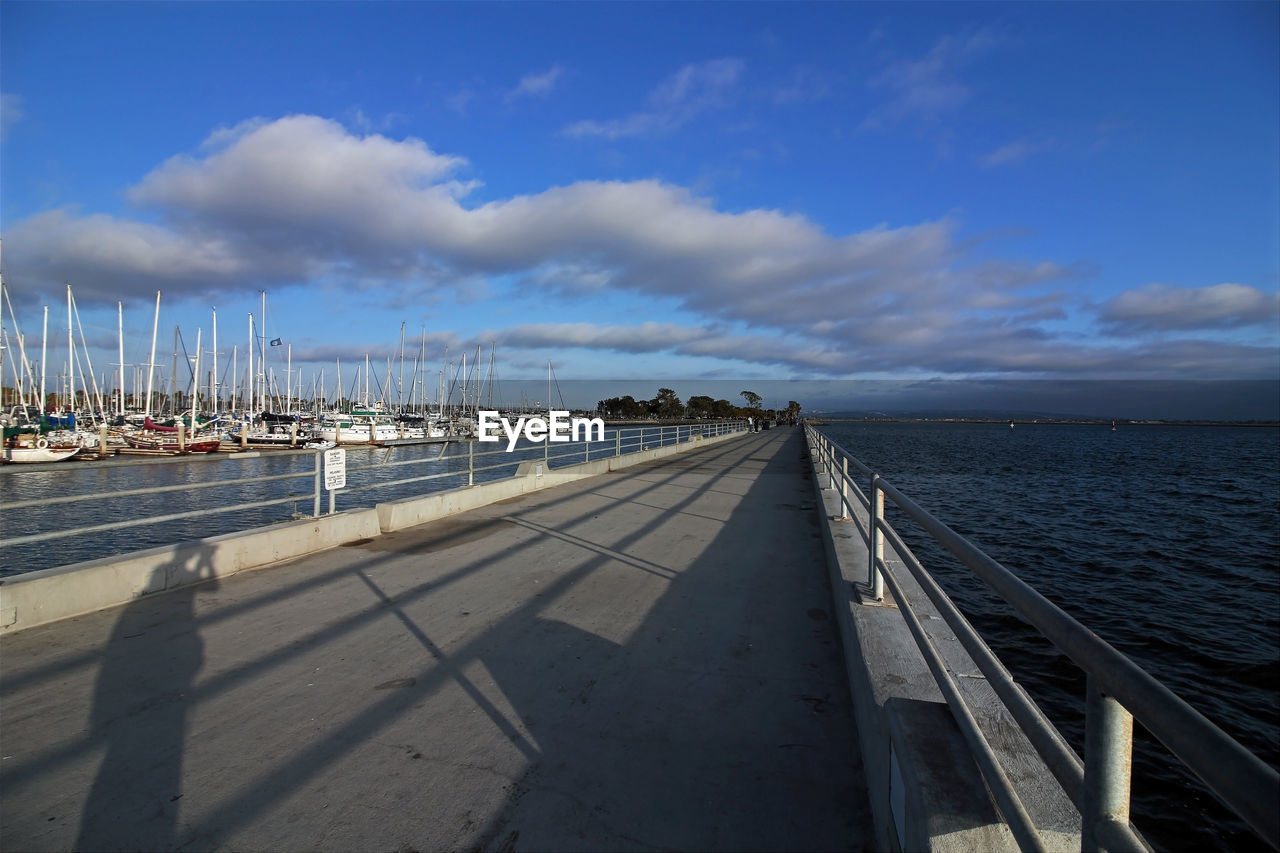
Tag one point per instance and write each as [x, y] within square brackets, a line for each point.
[366, 466]
[1165, 540]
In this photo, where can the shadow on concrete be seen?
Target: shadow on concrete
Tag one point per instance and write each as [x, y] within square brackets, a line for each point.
[721, 722]
[442, 534]
[140, 706]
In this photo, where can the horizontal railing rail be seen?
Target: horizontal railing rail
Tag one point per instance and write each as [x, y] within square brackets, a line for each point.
[1118, 690]
[623, 441]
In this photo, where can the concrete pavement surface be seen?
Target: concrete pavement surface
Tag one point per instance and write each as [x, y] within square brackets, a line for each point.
[645, 660]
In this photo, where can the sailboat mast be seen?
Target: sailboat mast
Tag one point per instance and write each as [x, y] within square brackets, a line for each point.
[463, 410]
[443, 367]
[120, 343]
[252, 377]
[44, 340]
[88, 378]
[195, 382]
[493, 352]
[213, 376]
[151, 363]
[71, 357]
[173, 374]
[262, 357]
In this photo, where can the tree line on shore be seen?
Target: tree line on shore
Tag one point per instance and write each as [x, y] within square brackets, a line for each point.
[667, 406]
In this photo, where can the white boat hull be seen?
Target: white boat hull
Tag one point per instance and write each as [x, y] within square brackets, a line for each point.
[360, 432]
[32, 453]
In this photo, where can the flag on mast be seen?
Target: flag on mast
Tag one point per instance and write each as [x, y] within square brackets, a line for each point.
[276, 342]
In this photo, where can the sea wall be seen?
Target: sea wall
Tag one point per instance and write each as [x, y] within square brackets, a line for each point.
[35, 598]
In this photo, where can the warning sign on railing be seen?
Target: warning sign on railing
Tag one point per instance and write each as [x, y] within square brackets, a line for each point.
[335, 469]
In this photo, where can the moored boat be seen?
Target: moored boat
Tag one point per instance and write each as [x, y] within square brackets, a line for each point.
[169, 444]
[30, 448]
[359, 427]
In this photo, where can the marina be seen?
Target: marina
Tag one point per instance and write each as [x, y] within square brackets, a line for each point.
[197, 414]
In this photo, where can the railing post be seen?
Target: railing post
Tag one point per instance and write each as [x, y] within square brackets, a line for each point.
[1108, 766]
[471, 463]
[617, 442]
[875, 548]
[315, 509]
[845, 512]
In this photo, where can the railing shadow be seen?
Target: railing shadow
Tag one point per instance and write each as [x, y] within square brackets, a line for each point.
[148, 758]
[723, 721]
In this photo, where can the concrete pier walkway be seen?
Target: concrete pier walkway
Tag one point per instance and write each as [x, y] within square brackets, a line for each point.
[644, 660]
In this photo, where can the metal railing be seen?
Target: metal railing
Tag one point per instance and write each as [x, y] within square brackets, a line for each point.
[623, 441]
[1118, 691]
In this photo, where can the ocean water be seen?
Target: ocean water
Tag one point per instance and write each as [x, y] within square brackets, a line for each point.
[1164, 540]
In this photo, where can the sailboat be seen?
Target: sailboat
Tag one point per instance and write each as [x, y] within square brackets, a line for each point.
[24, 442]
[31, 447]
[26, 435]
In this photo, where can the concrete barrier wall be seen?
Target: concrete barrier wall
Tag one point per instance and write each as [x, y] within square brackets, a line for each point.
[925, 789]
[36, 598]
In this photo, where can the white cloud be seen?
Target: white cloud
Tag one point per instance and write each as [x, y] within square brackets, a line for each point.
[460, 100]
[930, 86]
[537, 85]
[692, 90]
[109, 258]
[1160, 307]
[806, 84]
[643, 337]
[303, 200]
[1009, 153]
[10, 112]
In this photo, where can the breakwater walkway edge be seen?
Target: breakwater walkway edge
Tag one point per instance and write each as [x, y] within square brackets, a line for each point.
[647, 658]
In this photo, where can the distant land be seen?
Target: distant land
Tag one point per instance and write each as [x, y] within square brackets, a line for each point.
[1062, 400]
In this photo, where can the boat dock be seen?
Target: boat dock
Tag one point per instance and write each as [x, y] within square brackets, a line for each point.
[622, 662]
[402, 442]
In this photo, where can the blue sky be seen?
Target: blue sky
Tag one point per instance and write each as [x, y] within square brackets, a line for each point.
[818, 191]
